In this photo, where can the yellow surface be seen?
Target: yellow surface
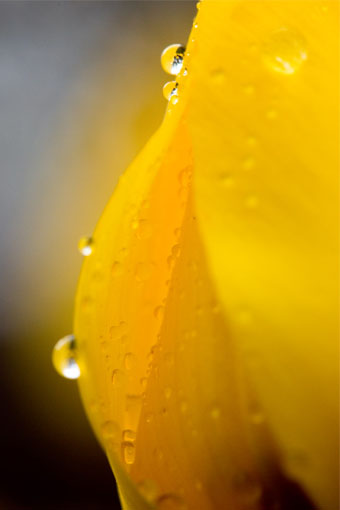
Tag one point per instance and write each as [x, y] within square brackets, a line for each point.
[207, 315]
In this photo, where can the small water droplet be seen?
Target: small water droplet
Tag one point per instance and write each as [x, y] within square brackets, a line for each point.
[251, 202]
[198, 485]
[218, 75]
[170, 502]
[85, 246]
[144, 382]
[271, 114]
[251, 141]
[169, 359]
[167, 392]
[172, 58]
[143, 271]
[227, 180]
[129, 360]
[170, 89]
[117, 378]
[185, 72]
[64, 357]
[256, 416]
[285, 51]
[143, 229]
[116, 268]
[149, 418]
[110, 430]
[183, 407]
[159, 312]
[248, 489]
[248, 89]
[129, 435]
[129, 452]
[248, 163]
[174, 99]
[215, 412]
[148, 489]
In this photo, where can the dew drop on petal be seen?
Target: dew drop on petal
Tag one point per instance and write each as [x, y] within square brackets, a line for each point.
[64, 357]
[129, 452]
[172, 58]
[285, 51]
[170, 502]
[110, 430]
[85, 246]
[170, 90]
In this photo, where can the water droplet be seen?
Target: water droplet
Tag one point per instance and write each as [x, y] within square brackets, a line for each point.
[227, 180]
[85, 246]
[183, 407]
[167, 392]
[110, 430]
[64, 357]
[218, 75]
[256, 416]
[129, 452]
[143, 229]
[251, 141]
[169, 359]
[116, 268]
[251, 202]
[247, 488]
[170, 502]
[144, 382]
[185, 72]
[285, 51]
[174, 99]
[117, 378]
[172, 58]
[248, 163]
[248, 90]
[129, 360]
[149, 418]
[143, 271]
[129, 435]
[198, 485]
[159, 312]
[170, 89]
[271, 114]
[148, 489]
[215, 413]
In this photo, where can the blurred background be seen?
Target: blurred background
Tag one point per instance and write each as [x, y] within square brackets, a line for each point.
[80, 93]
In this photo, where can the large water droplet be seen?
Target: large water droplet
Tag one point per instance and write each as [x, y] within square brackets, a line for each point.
[285, 51]
[64, 357]
[85, 246]
[170, 90]
[172, 58]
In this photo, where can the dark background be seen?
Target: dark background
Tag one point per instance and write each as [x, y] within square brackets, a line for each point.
[80, 93]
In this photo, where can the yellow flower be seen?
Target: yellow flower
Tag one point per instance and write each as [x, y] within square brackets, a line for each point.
[206, 315]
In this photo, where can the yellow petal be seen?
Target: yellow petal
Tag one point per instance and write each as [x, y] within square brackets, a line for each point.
[264, 116]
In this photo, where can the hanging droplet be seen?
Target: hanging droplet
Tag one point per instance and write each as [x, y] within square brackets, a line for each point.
[129, 452]
[285, 51]
[85, 246]
[64, 357]
[172, 58]
[170, 90]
